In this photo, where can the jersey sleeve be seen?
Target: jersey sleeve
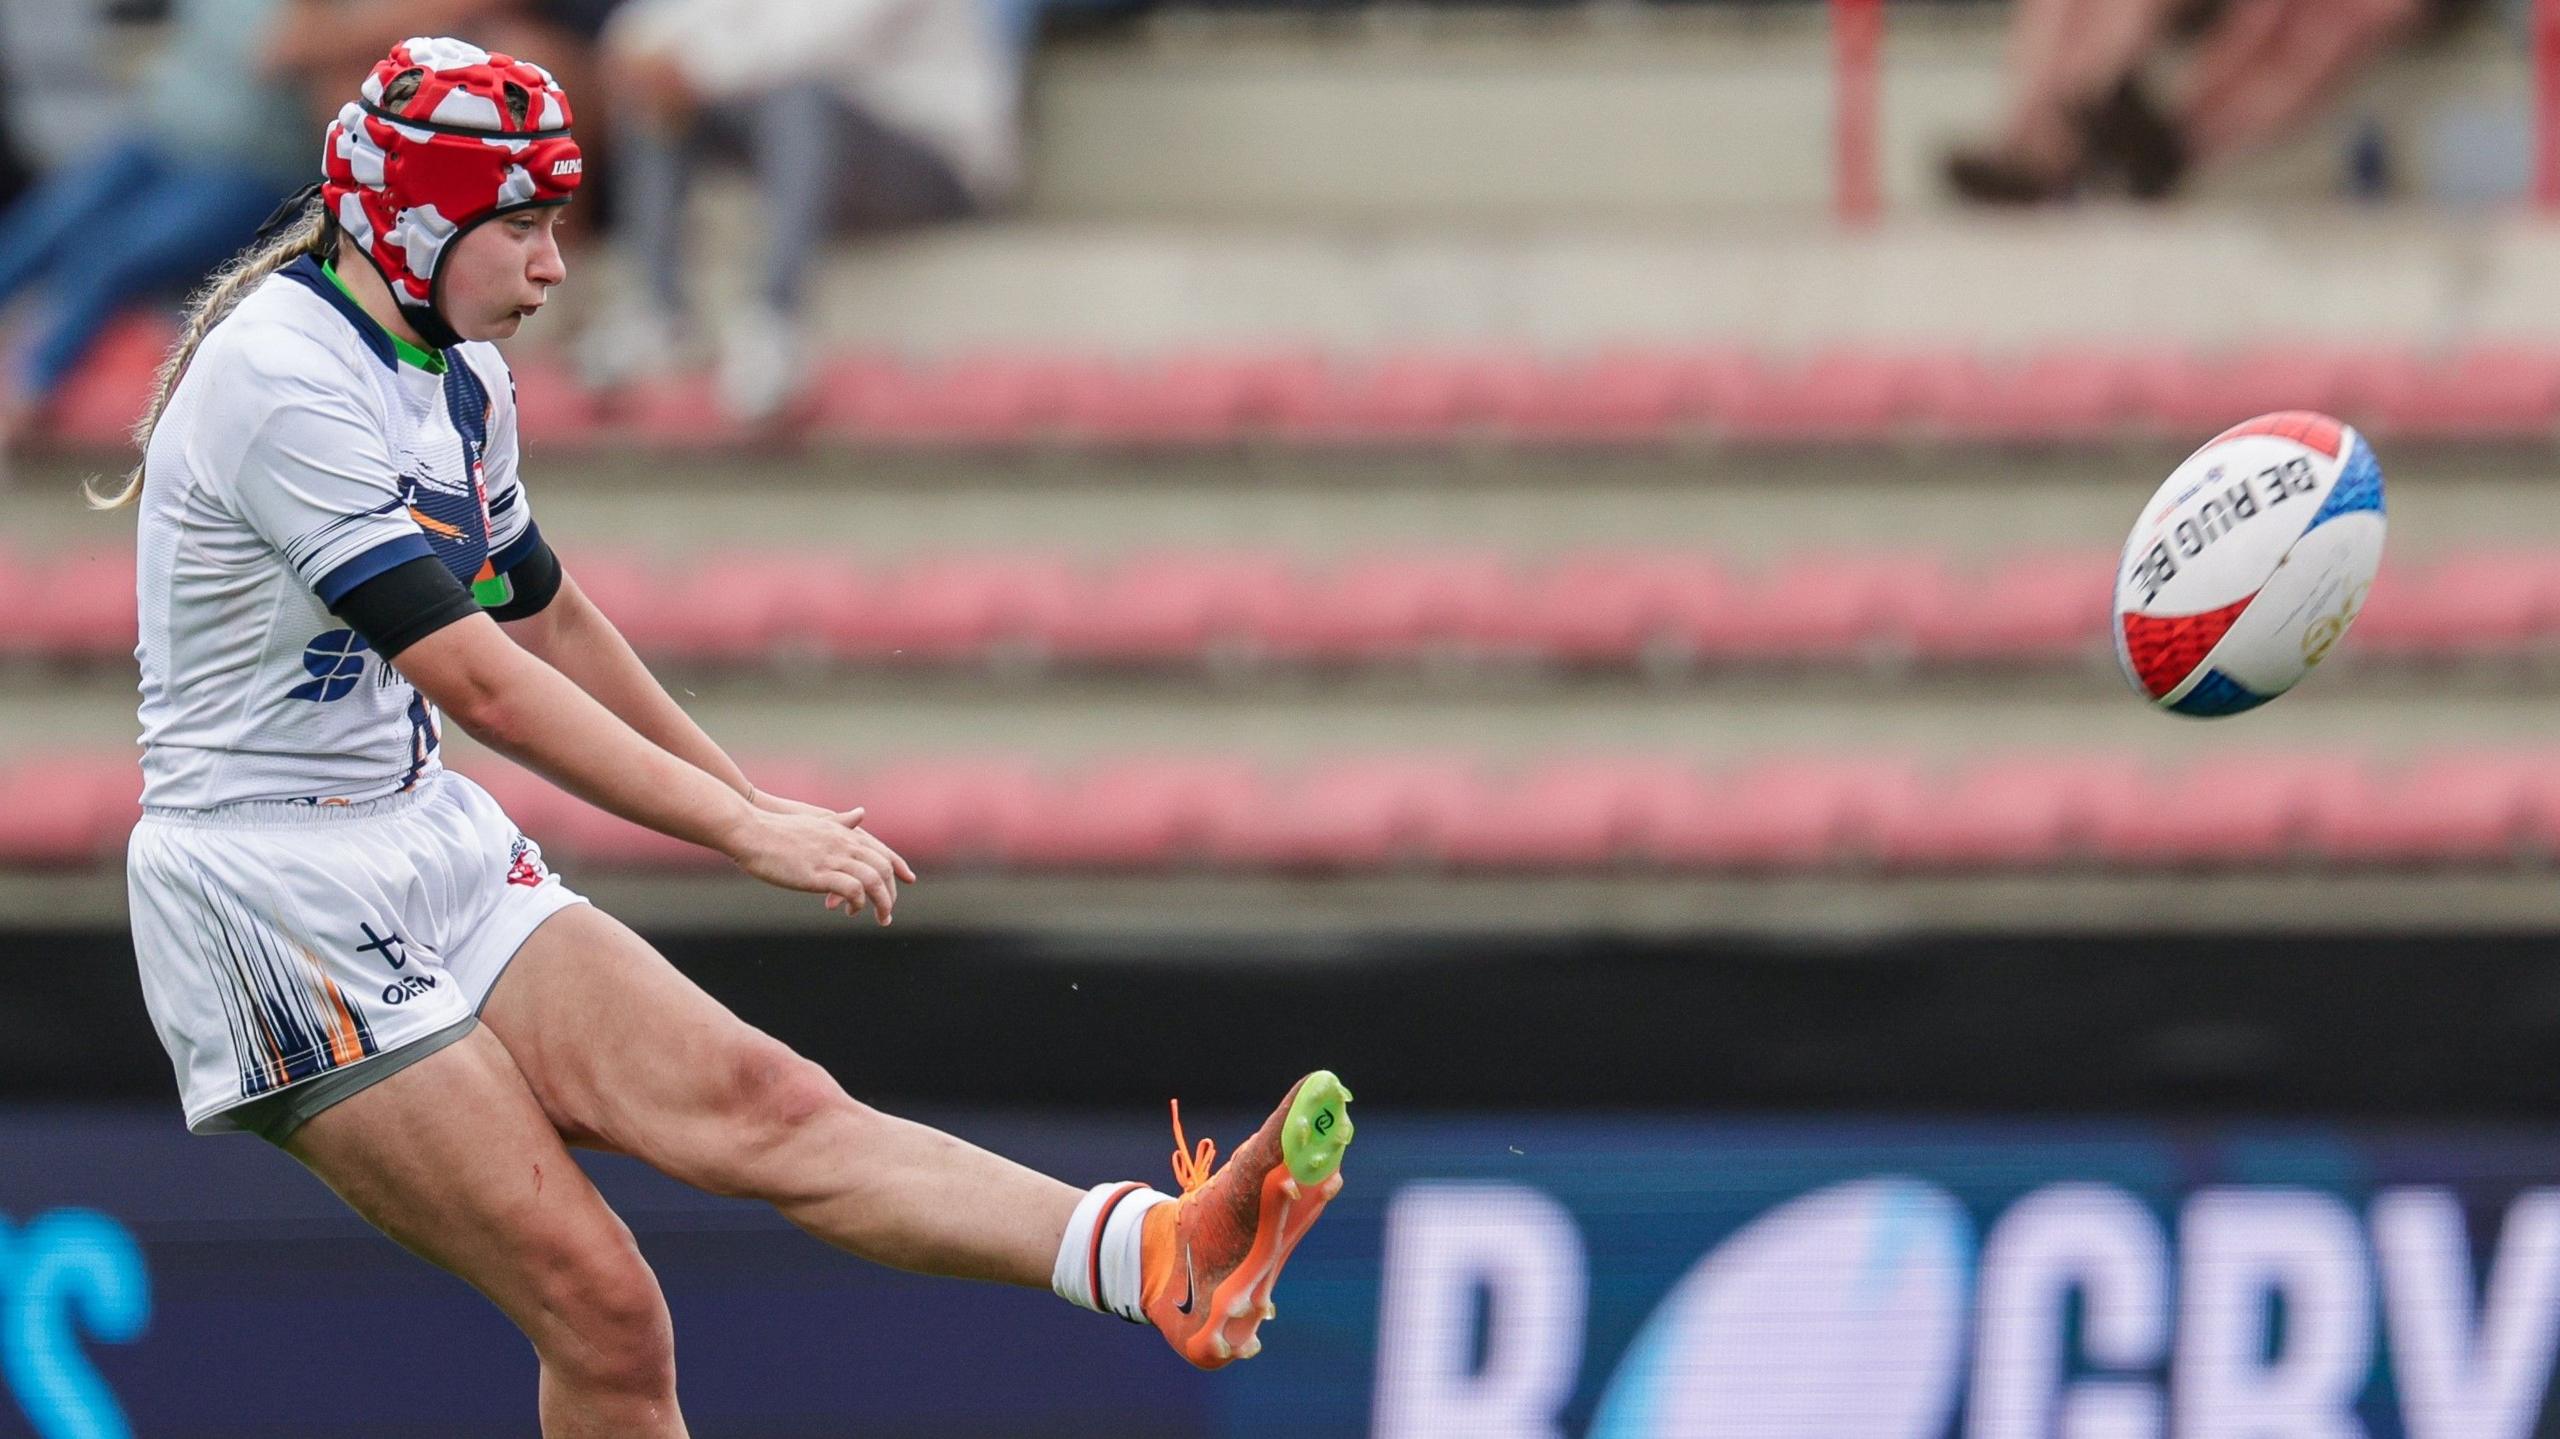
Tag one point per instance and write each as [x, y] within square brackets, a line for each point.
[512, 535]
[317, 481]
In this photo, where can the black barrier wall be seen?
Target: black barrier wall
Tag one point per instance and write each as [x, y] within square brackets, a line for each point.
[2360, 1024]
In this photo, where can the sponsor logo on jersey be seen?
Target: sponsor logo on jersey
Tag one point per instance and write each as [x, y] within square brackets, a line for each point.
[335, 662]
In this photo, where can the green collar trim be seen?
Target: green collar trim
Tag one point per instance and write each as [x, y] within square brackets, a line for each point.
[431, 361]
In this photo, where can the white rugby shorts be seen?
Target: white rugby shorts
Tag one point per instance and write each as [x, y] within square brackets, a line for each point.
[283, 942]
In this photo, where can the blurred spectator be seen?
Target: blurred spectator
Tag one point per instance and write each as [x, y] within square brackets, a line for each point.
[856, 115]
[2081, 115]
[210, 148]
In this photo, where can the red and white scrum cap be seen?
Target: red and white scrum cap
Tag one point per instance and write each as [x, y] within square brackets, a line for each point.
[407, 178]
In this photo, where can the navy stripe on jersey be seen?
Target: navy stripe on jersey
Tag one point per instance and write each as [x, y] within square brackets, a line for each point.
[306, 272]
[393, 552]
[517, 549]
[298, 551]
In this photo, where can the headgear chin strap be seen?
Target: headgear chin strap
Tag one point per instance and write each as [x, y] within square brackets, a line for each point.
[407, 178]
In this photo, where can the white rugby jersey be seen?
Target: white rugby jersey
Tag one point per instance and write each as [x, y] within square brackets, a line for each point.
[305, 451]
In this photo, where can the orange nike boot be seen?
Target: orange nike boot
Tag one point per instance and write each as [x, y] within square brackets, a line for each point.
[1210, 1259]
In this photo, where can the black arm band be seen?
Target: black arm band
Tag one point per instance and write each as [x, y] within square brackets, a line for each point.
[404, 604]
[532, 580]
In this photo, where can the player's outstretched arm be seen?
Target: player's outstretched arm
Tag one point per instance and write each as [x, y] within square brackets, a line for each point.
[530, 712]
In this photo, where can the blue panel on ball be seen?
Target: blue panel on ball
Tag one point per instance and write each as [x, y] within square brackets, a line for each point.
[2218, 694]
[2359, 487]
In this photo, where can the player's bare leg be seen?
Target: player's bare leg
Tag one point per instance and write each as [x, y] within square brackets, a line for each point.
[453, 1158]
[667, 1074]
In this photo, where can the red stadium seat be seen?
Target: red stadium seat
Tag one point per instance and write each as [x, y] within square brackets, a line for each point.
[2490, 393]
[637, 592]
[2049, 397]
[1403, 398]
[554, 411]
[1382, 605]
[2032, 607]
[1173, 605]
[955, 607]
[84, 606]
[1790, 813]
[2202, 396]
[2446, 809]
[745, 607]
[1361, 813]
[1824, 607]
[1851, 395]
[20, 632]
[1152, 813]
[2253, 809]
[2470, 602]
[67, 809]
[1622, 397]
[992, 400]
[99, 402]
[2028, 810]
[1583, 813]
[963, 810]
[680, 413]
[1183, 400]
[1604, 606]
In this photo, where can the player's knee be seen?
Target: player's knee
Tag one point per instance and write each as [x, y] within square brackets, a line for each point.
[768, 1097]
[610, 1329]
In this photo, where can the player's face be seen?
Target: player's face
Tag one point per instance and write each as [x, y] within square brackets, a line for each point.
[501, 272]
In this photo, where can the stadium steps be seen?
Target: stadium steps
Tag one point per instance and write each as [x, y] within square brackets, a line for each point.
[2042, 811]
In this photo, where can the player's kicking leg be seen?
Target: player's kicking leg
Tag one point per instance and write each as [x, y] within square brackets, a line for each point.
[667, 1074]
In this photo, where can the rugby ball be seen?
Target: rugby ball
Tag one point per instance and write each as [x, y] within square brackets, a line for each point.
[2249, 564]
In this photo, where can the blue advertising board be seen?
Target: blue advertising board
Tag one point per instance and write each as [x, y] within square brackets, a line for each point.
[1533, 1277]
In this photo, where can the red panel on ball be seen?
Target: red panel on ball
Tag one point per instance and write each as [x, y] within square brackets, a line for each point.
[2166, 648]
[2316, 430]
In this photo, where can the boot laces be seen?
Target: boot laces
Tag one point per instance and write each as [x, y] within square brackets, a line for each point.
[1191, 1167]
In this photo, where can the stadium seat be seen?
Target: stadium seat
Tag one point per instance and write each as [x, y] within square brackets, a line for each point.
[1355, 813]
[554, 411]
[1181, 400]
[2058, 396]
[2244, 809]
[1621, 397]
[1574, 813]
[1823, 607]
[2475, 808]
[1612, 606]
[994, 400]
[67, 809]
[955, 810]
[1176, 605]
[746, 607]
[2029, 608]
[637, 592]
[2467, 602]
[955, 607]
[1154, 813]
[2490, 393]
[99, 402]
[678, 413]
[1396, 399]
[2200, 396]
[2016, 811]
[85, 606]
[1384, 605]
[1852, 395]
[1790, 812]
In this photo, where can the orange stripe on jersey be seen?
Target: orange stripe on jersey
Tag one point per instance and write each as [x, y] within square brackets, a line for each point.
[433, 526]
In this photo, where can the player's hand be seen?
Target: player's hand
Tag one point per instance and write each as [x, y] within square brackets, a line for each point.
[825, 853]
[776, 804]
